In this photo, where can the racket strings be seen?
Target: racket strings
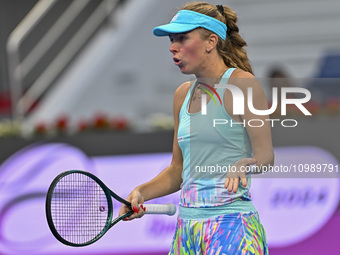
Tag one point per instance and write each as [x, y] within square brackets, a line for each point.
[79, 208]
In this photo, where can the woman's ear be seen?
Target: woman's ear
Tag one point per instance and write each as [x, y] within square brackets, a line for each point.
[212, 42]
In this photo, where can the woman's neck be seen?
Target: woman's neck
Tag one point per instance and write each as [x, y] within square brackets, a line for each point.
[212, 77]
[212, 69]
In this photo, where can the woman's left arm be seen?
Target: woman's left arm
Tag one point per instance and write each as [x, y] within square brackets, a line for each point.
[260, 135]
[259, 131]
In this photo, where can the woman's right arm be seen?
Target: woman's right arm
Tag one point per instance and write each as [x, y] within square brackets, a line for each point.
[170, 179]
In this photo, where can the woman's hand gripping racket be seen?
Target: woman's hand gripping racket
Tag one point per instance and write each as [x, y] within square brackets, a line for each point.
[79, 208]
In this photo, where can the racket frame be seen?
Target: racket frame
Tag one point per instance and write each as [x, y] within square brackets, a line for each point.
[108, 193]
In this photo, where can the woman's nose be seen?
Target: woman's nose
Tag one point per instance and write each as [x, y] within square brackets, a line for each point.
[173, 49]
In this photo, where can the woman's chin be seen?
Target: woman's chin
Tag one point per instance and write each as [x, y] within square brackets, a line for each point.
[185, 71]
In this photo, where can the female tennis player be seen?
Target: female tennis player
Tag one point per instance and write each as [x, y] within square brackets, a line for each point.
[216, 214]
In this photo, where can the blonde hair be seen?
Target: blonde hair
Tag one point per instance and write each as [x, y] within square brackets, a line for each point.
[232, 48]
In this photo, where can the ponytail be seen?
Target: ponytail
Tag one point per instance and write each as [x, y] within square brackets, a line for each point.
[232, 48]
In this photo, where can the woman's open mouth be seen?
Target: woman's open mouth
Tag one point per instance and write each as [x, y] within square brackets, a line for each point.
[177, 61]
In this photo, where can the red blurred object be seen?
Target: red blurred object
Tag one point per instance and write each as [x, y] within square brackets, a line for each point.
[40, 128]
[5, 103]
[100, 121]
[333, 105]
[120, 123]
[82, 125]
[61, 124]
[313, 107]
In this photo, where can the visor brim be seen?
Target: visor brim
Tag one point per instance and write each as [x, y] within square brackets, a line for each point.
[173, 28]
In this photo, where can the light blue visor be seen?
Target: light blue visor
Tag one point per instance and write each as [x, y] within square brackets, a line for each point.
[185, 21]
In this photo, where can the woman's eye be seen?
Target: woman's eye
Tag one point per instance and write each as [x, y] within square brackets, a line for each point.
[181, 38]
[178, 38]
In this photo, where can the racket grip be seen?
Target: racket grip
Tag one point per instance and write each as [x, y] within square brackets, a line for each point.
[169, 209]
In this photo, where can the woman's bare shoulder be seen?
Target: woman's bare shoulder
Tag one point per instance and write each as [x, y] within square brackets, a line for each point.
[182, 90]
[243, 79]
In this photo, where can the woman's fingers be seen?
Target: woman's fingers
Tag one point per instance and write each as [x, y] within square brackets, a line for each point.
[238, 174]
[232, 183]
[226, 183]
[123, 210]
[134, 198]
[244, 181]
[139, 211]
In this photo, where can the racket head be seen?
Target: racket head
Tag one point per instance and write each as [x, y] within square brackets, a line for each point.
[79, 208]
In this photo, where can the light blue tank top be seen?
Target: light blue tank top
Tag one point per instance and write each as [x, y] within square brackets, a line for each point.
[208, 153]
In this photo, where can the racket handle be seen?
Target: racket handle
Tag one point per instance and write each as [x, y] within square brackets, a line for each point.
[169, 209]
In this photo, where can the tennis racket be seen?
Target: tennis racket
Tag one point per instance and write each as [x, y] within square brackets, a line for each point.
[79, 208]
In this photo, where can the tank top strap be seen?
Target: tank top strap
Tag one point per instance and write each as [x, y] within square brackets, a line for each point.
[228, 73]
[224, 80]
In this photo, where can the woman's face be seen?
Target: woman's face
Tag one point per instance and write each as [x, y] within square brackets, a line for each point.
[189, 51]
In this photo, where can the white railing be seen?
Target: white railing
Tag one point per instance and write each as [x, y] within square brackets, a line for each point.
[19, 69]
